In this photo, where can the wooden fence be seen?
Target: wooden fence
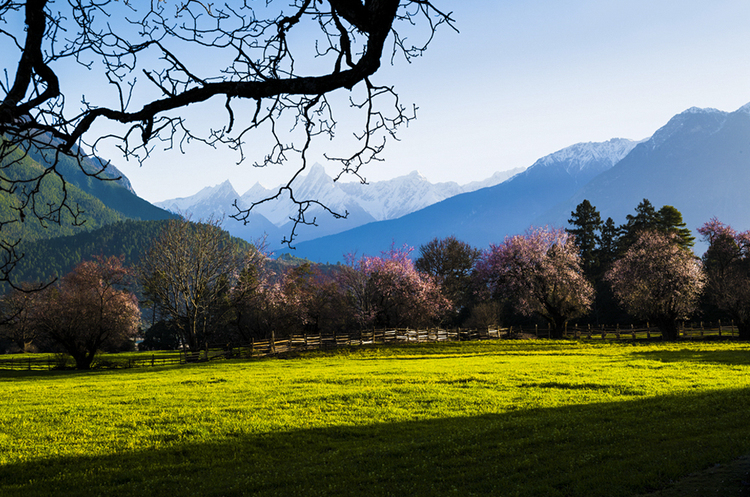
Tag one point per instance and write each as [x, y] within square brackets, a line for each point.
[294, 343]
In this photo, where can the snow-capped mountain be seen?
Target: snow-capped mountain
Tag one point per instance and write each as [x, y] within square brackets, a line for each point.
[211, 201]
[592, 157]
[364, 203]
[486, 215]
[699, 162]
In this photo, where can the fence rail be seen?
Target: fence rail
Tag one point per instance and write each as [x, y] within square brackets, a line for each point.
[294, 343]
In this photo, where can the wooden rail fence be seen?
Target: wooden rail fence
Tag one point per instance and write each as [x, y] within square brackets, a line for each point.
[294, 343]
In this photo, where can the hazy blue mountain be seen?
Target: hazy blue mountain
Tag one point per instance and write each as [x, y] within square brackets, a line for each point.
[483, 216]
[699, 162]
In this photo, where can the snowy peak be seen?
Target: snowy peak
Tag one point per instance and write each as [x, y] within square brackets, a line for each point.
[692, 121]
[592, 157]
[211, 201]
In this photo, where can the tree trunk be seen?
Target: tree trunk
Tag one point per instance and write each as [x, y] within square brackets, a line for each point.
[668, 328]
[743, 330]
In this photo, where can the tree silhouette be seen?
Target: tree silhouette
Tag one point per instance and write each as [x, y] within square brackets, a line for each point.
[270, 68]
[586, 221]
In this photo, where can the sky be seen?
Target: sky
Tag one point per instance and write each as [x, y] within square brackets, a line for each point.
[519, 81]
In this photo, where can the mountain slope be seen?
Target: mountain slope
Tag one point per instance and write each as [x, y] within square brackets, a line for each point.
[698, 162]
[115, 191]
[486, 215]
[99, 202]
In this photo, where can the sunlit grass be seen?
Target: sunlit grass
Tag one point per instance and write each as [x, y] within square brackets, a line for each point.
[495, 417]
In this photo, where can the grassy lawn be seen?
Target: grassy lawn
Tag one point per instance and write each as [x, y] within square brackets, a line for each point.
[470, 418]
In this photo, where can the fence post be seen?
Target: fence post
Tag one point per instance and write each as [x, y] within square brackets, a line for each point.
[719, 327]
[273, 341]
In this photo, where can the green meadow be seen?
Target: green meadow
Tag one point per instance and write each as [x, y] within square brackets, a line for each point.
[526, 418]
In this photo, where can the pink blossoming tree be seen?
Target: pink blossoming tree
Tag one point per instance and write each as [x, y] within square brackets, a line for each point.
[538, 273]
[658, 280]
[727, 266]
[388, 291]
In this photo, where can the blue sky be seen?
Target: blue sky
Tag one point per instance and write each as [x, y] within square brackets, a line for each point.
[521, 80]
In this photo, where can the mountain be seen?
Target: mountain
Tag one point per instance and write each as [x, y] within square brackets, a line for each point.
[486, 215]
[111, 187]
[364, 203]
[699, 162]
[100, 202]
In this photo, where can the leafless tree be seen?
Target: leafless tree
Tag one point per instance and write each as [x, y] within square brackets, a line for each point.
[275, 68]
[190, 272]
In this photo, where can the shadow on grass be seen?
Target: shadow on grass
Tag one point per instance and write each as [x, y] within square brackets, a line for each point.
[723, 357]
[609, 449]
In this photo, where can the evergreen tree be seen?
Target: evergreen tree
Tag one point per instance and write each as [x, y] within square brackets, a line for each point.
[670, 221]
[608, 242]
[587, 222]
[645, 218]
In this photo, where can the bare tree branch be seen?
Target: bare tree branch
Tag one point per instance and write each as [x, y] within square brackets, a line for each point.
[161, 57]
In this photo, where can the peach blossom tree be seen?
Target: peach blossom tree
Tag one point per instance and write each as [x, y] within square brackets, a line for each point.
[538, 273]
[658, 280]
[89, 309]
[727, 266]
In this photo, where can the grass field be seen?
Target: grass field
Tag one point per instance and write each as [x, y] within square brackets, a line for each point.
[469, 418]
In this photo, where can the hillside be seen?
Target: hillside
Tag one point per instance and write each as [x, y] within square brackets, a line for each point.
[698, 162]
[101, 202]
[51, 258]
[47, 259]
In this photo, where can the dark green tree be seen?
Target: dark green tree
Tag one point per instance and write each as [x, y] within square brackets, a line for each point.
[608, 242]
[587, 222]
[670, 221]
[451, 262]
[645, 218]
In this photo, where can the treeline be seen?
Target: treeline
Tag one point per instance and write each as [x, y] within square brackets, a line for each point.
[196, 285]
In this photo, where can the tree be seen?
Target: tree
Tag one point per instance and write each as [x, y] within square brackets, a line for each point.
[667, 220]
[388, 291]
[89, 309]
[539, 273]
[587, 222]
[189, 272]
[269, 67]
[670, 221]
[608, 242]
[659, 280]
[17, 324]
[451, 263]
[644, 219]
[727, 267]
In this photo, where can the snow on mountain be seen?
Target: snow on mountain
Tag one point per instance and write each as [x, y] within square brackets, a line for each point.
[211, 201]
[698, 120]
[399, 196]
[483, 216]
[595, 156]
[363, 202]
[495, 179]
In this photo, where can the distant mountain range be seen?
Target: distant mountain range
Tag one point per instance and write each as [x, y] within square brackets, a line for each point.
[364, 203]
[486, 215]
[699, 162]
